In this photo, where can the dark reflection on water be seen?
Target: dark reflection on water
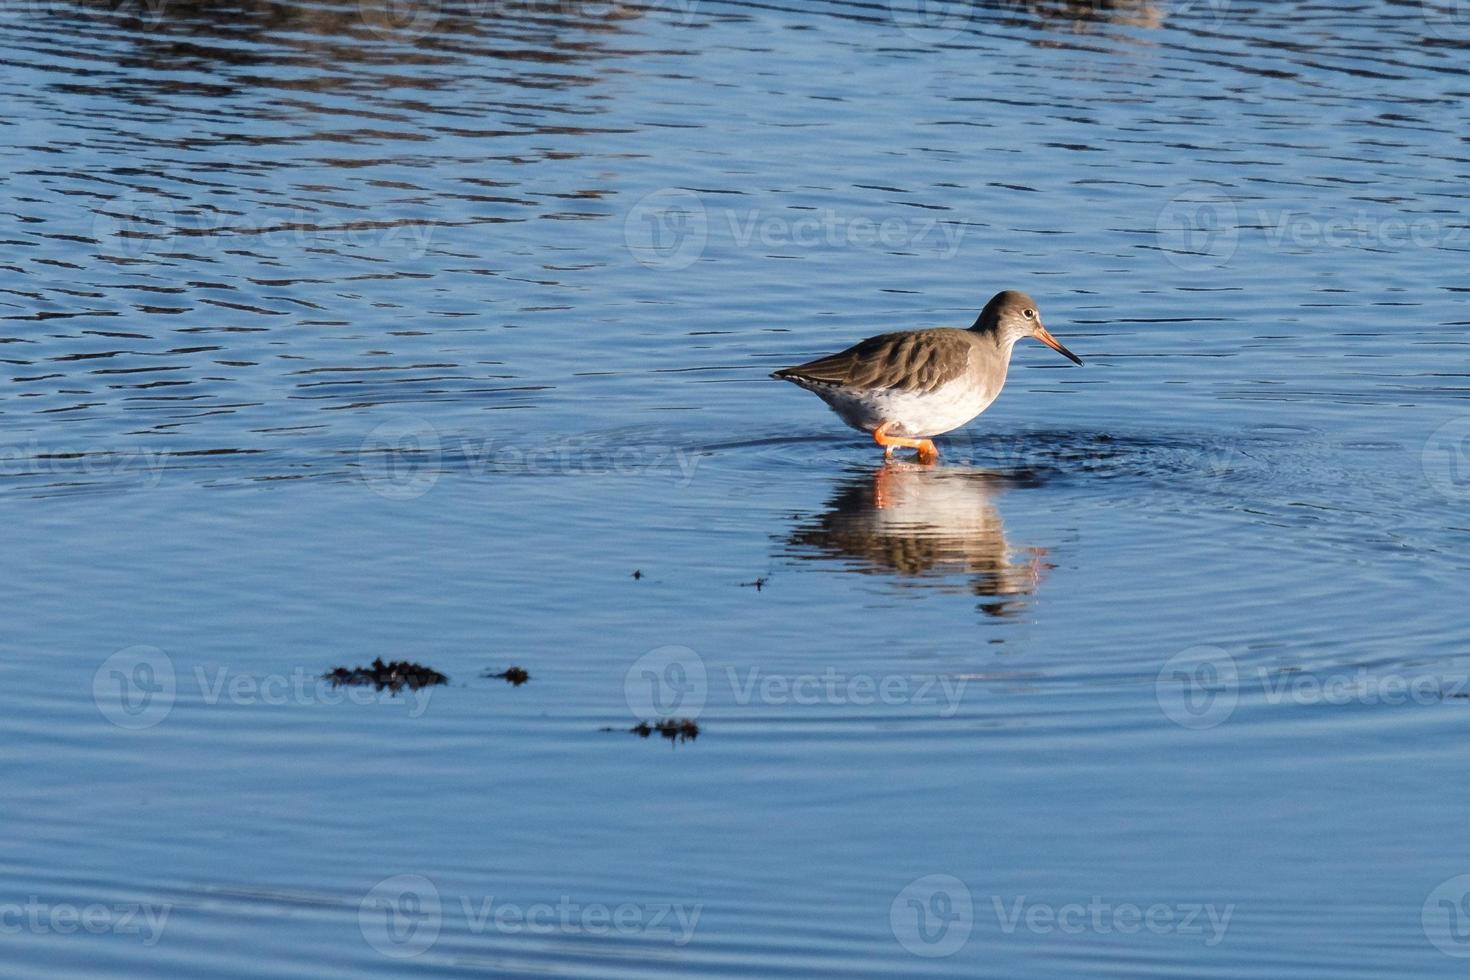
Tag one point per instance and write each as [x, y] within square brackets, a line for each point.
[299, 210]
[1082, 15]
[923, 523]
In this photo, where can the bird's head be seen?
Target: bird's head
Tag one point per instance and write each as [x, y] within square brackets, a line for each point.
[1012, 315]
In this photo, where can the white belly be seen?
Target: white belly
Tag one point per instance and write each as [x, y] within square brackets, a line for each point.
[910, 413]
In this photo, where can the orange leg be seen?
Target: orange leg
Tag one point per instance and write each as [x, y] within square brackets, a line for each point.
[927, 452]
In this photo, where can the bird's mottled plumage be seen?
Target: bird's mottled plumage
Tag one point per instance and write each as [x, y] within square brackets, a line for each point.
[911, 360]
[904, 387]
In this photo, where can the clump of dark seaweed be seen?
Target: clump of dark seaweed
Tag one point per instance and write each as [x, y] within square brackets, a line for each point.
[514, 675]
[673, 729]
[394, 676]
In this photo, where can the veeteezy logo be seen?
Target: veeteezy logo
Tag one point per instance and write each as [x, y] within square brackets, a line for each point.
[836, 688]
[1201, 687]
[34, 916]
[402, 458]
[403, 916]
[670, 229]
[675, 680]
[1100, 917]
[138, 466]
[136, 688]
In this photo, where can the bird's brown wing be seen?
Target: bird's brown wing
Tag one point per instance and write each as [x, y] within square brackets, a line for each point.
[914, 360]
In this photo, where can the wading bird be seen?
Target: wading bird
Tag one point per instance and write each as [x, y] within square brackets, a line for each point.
[907, 387]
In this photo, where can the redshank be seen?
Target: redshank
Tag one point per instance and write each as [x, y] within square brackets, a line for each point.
[906, 387]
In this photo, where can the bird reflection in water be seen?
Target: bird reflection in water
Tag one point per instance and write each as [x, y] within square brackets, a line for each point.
[925, 524]
[1085, 16]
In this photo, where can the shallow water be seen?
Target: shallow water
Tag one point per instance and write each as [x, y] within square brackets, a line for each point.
[334, 332]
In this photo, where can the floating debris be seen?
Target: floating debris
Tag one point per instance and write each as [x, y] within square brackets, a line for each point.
[673, 729]
[392, 677]
[514, 675]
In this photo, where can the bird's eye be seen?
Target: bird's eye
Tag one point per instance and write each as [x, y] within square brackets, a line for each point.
[1029, 314]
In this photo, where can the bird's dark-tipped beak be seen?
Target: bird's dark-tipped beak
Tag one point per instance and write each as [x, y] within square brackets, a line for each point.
[1044, 335]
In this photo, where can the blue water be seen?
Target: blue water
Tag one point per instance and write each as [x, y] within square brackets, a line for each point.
[334, 332]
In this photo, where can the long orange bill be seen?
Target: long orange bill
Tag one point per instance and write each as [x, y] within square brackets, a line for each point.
[1044, 335]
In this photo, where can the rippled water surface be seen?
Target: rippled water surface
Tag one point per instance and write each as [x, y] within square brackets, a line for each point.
[339, 331]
